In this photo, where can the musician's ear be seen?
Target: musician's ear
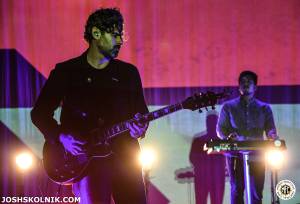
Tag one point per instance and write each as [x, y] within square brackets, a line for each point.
[96, 33]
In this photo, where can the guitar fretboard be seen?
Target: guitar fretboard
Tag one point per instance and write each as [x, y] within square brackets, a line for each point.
[123, 126]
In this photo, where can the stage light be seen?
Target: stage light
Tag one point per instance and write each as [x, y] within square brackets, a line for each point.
[275, 158]
[146, 158]
[24, 160]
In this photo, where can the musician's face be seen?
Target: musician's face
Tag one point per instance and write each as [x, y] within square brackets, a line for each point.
[110, 43]
[247, 86]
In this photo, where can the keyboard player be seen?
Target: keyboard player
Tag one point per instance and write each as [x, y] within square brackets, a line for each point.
[246, 118]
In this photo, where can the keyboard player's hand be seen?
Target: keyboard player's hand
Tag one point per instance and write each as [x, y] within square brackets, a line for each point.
[232, 136]
[235, 137]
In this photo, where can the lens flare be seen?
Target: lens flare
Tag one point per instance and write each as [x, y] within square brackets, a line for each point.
[275, 158]
[24, 160]
[146, 158]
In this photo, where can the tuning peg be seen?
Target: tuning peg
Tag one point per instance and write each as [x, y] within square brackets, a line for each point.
[200, 111]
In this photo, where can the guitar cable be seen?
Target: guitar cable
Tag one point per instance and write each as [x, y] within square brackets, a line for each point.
[39, 179]
[58, 190]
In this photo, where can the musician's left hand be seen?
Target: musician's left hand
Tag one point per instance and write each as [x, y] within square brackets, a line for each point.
[138, 127]
[273, 136]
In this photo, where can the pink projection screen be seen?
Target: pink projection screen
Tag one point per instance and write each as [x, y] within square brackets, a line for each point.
[182, 44]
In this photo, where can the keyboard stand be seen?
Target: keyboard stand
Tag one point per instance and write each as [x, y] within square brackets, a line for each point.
[247, 176]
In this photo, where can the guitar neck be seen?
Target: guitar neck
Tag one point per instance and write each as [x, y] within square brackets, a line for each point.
[123, 126]
[194, 102]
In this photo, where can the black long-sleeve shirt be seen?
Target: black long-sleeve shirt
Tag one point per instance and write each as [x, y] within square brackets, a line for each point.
[86, 94]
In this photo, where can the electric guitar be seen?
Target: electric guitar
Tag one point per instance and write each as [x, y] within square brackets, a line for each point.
[64, 168]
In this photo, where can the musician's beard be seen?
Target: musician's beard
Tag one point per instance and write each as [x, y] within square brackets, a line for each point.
[247, 91]
[111, 54]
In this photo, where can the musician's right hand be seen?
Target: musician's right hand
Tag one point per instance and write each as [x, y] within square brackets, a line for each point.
[234, 136]
[72, 145]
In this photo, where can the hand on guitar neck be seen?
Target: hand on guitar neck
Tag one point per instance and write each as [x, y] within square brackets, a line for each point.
[138, 127]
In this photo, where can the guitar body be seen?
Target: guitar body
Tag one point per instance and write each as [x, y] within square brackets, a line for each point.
[64, 168]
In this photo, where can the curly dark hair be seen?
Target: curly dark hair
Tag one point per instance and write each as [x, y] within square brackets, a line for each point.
[106, 19]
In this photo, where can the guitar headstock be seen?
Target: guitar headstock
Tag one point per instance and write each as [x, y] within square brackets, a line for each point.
[203, 100]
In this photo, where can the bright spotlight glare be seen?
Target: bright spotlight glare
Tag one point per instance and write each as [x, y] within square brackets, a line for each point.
[146, 158]
[24, 160]
[275, 158]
